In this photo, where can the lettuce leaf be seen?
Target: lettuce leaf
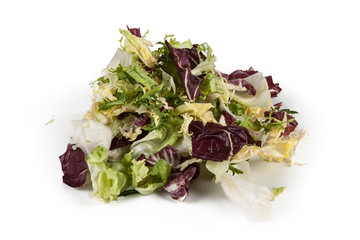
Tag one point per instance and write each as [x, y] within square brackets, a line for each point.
[205, 65]
[261, 99]
[277, 191]
[273, 87]
[183, 65]
[139, 46]
[90, 134]
[216, 142]
[136, 73]
[134, 31]
[73, 166]
[240, 94]
[254, 199]
[147, 179]
[168, 153]
[158, 139]
[107, 182]
[178, 184]
[201, 111]
[218, 168]
[120, 58]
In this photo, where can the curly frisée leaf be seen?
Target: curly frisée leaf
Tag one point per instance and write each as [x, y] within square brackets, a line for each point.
[139, 46]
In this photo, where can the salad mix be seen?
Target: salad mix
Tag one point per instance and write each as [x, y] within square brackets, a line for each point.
[159, 117]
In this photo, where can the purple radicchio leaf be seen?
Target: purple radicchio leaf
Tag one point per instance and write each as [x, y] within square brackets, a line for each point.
[229, 119]
[120, 142]
[142, 120]
[216, 142]
[178, 183]
[194, 56]
[74, 166]
[141, 157]
[273, 87]
[134, 31]
[237, 78]
[280, 115]
[168, 153]
[278, 105]
[183, 66]
[223, 75]
[122, 115]
[291, 126]
[242, 73]
[243, 83]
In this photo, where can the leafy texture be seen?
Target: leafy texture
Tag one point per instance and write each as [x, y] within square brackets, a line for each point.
[142, 120]
[157, 114]
[218, 143]
[282, 116]
[218, 168]
[168, 153]
[283, 148]
[183, 66]
[261, 99]
[139, 46]
[117, 143]
[73, 166]
[237, 78]
[90, 134]
[147, 179]
[273, 87]
[277, 191]
[178, 185]
[157, 139]
[254, 199]
[134, 31]
[107, 182]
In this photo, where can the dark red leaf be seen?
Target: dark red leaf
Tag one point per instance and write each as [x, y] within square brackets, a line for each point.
[74, 166]
[183, 66]
[229, 119]
[216, 142]
[273, 87]
[242, 73]
[280, 115]
[134, 31]
[178, 183]
[116, 142]
[142, 120]
[168, 153]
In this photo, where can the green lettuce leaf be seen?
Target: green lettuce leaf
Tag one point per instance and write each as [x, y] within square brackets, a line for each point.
[209, 84]
[208, 64]
[140, 76]
[111, 183]
[147, 179]
[217, 168]
[157, 139]
[107, 182]
[277, 191]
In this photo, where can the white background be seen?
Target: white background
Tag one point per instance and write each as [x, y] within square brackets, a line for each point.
[51, 50]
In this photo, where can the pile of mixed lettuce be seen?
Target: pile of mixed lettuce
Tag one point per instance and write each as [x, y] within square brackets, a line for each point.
[160, 116]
